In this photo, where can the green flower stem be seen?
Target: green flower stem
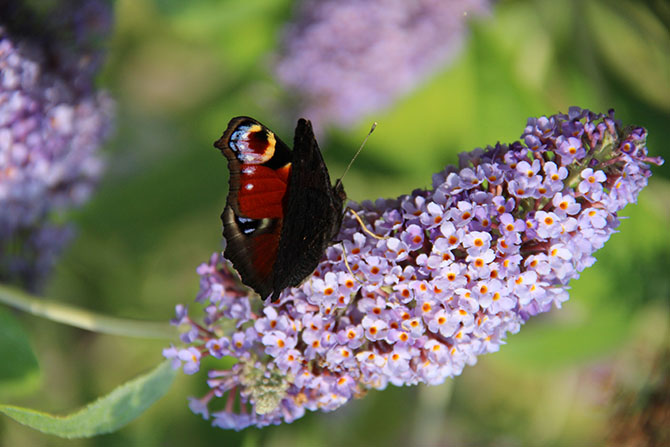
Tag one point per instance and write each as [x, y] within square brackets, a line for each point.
[83, 319]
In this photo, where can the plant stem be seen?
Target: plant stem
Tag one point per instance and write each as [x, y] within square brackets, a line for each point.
[83, 319]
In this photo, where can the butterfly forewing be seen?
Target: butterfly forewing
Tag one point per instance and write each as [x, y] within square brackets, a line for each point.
[259, 165]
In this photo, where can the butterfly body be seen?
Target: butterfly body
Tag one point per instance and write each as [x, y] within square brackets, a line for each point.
[282, 211]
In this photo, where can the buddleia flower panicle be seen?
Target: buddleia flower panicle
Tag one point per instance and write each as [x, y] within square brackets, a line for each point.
[347, 58]
[52, 124]
[494, 242]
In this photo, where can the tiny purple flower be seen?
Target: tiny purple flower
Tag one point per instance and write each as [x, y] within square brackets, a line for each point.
[548, 224]
[375, 329]
[592, 186]
[570, 149]
[191, 358]
[218, 347]
[565, 205]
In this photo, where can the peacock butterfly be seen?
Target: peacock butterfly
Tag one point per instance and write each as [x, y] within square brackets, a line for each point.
[282, 211]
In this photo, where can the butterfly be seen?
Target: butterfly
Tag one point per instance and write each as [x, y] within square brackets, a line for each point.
[282, 211]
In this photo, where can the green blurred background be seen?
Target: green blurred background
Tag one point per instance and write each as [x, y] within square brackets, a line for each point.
[582, 375]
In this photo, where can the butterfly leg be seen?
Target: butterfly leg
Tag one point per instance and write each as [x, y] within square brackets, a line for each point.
[363, 227]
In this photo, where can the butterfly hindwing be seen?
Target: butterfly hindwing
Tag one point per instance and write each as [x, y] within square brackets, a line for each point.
[313, 212]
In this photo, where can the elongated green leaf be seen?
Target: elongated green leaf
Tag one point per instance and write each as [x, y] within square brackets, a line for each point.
[106, 414]
[21, 374]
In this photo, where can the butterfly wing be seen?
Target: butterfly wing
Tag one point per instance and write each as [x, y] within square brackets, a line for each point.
[313, 213]
[260, 166]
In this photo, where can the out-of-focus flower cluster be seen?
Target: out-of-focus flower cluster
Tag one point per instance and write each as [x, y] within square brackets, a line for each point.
[495, 242]
[52, 124]
[347, 58]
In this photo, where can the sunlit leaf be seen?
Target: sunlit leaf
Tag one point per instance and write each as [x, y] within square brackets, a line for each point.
[106, 414]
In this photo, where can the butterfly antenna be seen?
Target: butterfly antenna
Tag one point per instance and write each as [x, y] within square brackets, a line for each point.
[374, 125]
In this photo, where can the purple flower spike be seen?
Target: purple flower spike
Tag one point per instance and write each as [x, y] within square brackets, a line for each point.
[460, 267]
[52, 124]
[347, 58]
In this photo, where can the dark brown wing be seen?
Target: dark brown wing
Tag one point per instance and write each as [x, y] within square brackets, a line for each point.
[313, 213]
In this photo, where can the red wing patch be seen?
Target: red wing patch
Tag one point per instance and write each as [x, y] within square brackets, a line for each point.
[262, 191]
[264, 252]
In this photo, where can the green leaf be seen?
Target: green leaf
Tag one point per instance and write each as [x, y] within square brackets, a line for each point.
[106, 414]
[22, 374]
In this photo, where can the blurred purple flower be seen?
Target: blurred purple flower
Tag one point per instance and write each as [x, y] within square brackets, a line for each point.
[52, 123]
[455, 292]
[347, 58]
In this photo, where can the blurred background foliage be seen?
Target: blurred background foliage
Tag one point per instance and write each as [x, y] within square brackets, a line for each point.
[180, 70]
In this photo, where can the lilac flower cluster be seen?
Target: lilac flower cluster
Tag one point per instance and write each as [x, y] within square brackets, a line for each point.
[494, 242]
[52, 123]
[347, 58]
